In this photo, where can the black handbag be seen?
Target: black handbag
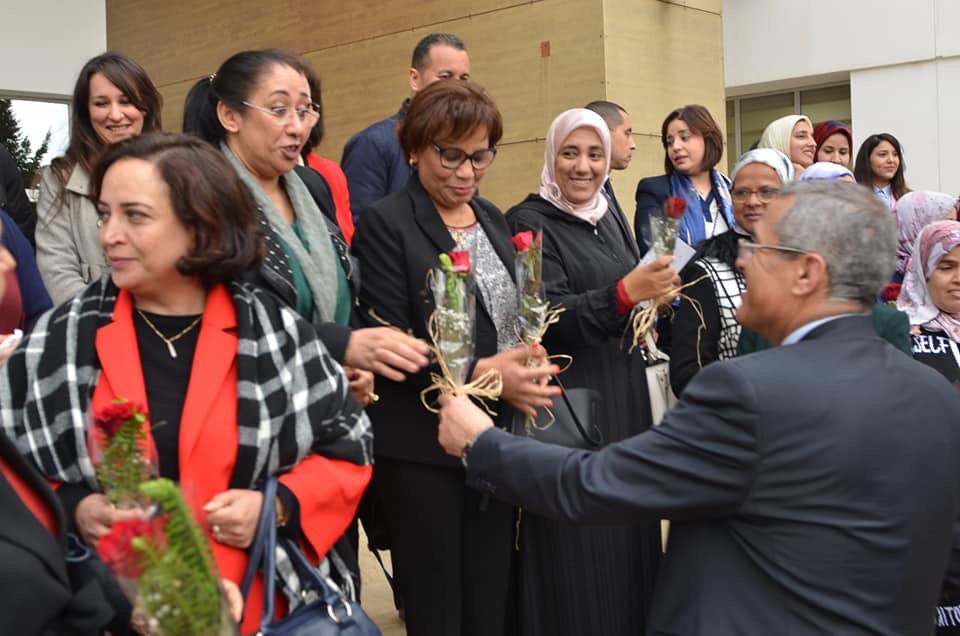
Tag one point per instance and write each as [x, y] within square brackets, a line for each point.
[574, 420]
[332, 614]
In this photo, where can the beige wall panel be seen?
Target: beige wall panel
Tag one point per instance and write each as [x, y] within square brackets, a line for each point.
[188, 37]
[660, 55]
[514, 175]
[648, 55]
[711, 6]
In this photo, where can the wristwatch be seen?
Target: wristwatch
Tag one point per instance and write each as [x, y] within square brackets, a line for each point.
[466, 451]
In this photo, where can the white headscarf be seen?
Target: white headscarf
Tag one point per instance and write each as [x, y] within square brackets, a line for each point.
[565, 123]
[768, 157]
[778, 133]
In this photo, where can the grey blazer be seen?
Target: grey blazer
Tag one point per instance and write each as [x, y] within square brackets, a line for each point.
[813, 489]
[69, 255]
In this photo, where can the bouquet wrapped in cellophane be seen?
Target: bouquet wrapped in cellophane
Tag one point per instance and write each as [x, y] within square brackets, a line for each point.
[161, 559]
[451, 330]
[534, 312]
[663, 236]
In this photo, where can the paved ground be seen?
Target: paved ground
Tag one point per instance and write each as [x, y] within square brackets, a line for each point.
[377, 597]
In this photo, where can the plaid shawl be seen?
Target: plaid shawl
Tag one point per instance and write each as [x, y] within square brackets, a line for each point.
[292, 396]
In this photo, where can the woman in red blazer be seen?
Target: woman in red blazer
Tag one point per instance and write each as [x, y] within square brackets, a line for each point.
[238, 388]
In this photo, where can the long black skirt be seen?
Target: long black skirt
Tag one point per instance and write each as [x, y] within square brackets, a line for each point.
[585, 580]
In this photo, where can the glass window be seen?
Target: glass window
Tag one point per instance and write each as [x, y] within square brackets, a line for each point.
[820, 104]
[755, 113]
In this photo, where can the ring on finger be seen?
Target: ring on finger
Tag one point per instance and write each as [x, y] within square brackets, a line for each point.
[216, 530]
[373, 397]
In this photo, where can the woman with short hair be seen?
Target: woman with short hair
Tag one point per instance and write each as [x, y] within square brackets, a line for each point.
[693, 145]
[449, 542]
[237, 386]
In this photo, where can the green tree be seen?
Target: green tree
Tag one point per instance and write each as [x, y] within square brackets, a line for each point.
[19, 146]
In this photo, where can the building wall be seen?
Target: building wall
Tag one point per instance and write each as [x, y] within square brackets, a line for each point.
[649, 55]
[902, 61]
[46, 42]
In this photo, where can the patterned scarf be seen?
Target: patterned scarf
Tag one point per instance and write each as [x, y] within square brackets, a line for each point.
[933, 243]
[692, 230]
[318, 262]
[913, 212]
[291, 394]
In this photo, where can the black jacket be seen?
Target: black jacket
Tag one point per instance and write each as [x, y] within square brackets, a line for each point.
[396, 243]
[582, 265]
[36, 595]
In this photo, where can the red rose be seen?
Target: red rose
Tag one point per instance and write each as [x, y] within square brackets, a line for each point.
[461, 261]
[116, 548]
[522, 240]
[112, 417]
[675, 207]
[891, 292]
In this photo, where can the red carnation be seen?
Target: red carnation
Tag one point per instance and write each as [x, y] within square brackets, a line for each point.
[675, 207]
[116, 548]
[523, 240]
[891, 292]
[460, 261]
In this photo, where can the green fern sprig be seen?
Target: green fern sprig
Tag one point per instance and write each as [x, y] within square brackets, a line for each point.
[179, 587]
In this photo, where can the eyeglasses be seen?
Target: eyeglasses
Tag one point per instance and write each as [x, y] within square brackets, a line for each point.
[453, 158]
[308, 114]
[747, 248]
[740, 195]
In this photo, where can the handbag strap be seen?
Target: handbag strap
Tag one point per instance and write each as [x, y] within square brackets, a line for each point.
[263, 557]
[264, 543]
[594, 440]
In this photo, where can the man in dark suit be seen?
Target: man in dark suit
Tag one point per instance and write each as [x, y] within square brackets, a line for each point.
[372, 159]
[813, 487]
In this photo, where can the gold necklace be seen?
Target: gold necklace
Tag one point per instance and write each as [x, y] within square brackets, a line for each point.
[170, 341]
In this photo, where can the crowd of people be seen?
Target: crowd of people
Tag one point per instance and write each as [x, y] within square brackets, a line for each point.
[269, 307]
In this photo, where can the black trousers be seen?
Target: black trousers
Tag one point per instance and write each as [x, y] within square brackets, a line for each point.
[455, 550]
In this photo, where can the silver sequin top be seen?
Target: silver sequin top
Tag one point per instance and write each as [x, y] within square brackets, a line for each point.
[497, 289]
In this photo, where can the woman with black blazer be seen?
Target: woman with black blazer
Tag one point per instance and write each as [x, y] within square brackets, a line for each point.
[452, 546]
[693, 145]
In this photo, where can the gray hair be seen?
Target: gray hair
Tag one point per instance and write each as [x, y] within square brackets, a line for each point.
[850, 227]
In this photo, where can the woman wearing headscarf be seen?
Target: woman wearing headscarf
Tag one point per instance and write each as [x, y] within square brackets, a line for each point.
[693, 145]
[717, 284]
[931, 297]
[596, 579]
[834, 142]
[793, 136]
[913, 212]
[827, 170]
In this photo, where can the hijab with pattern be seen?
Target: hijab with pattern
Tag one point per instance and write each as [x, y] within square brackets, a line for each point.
[934, 242]
[565, 123]
[780, 163]
[913, 212]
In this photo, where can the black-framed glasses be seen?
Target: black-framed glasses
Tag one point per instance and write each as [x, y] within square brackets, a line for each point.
[765, 194]
[745, 248]
[453, 158]
[307, 114]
